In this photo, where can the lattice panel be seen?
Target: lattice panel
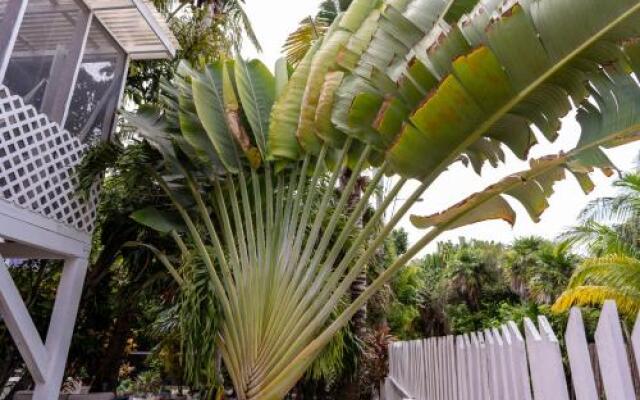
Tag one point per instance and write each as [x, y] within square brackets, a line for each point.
[37, 162]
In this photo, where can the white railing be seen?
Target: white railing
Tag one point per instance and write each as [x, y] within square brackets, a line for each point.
[37, 163]
[503, 364]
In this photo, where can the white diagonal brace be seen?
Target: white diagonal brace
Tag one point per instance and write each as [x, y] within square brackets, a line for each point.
[21, 326]
[63, 319]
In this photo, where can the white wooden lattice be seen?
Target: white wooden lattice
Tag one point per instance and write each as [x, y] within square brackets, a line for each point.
[504, 364]
[37, 162]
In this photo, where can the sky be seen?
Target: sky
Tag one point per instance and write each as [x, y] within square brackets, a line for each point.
[275, 19]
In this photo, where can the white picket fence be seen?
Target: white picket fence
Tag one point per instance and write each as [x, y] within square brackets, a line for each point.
[502, 364]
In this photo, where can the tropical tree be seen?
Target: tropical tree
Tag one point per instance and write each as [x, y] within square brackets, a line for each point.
[609, 232]
[609, 225]
[312, 29]
[468, 272]
[409, 87]
[613, 277]
[537, 269]
[206, 31]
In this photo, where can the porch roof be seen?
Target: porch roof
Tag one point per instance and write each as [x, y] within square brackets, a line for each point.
[135, 24]
[139, 28]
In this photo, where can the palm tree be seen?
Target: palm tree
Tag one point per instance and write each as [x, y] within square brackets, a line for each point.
[468, 272]
[557, 264]
[610, 224]
[409, 87]
[609, 232]
[613, 277]
[225, 17]
[312, 29]
[519, 261]
[537, 269]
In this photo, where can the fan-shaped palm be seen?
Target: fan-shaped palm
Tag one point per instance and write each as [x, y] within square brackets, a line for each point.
[468, 272]
[409, 86]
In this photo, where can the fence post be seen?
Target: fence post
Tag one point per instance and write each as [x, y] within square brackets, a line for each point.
[635, 341]
[461, 367]
[582, 375]
[545, 361]
[484, 367]
[518, 356]
[612, 355]
[477, 390]
[451, 351]
[440, 369]
[495, 366]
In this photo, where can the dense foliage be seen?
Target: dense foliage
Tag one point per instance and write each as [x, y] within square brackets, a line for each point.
[472, 285]
[407, 87]
[277, 247]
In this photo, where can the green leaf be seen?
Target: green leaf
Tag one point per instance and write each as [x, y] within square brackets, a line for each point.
[285, 115]
[494, 208]
[256, 88]
[151, 125]
[487, 86]
[209, 102]
[281, 76]
[158, 220]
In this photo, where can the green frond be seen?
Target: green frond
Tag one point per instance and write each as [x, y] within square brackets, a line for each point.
[98, 159]
[300, 41]
[614, 271]
[628, 301]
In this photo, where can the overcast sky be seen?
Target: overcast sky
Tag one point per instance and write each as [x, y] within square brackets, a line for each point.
[275, 19]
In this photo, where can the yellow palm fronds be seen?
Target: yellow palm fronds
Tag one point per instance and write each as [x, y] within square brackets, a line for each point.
[628, 301]
[612, 277]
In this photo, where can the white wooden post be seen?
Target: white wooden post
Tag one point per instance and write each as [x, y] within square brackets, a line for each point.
[461, 368]
[635, 340]
[439, 374]
[414, 373]
[434, 366]
[484, 366]
[476, 375]
[472, 384]
[584, 382]
[428, 366]
[508, 389]
[61, 327]
[444, 356]
[451, 351]
[545, 361]
[495, 366]
[612, 355]
[57, 95]
[518, 356]
[14, 13]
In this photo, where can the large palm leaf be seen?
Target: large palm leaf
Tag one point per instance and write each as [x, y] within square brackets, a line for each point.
[409, 86]
[604, 278]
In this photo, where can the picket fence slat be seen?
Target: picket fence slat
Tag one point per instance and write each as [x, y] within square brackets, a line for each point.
[545, 362]
[501, 364]
[614, 364]
[635, 341]
[582, 375]
[461, 369]
[519, 362]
